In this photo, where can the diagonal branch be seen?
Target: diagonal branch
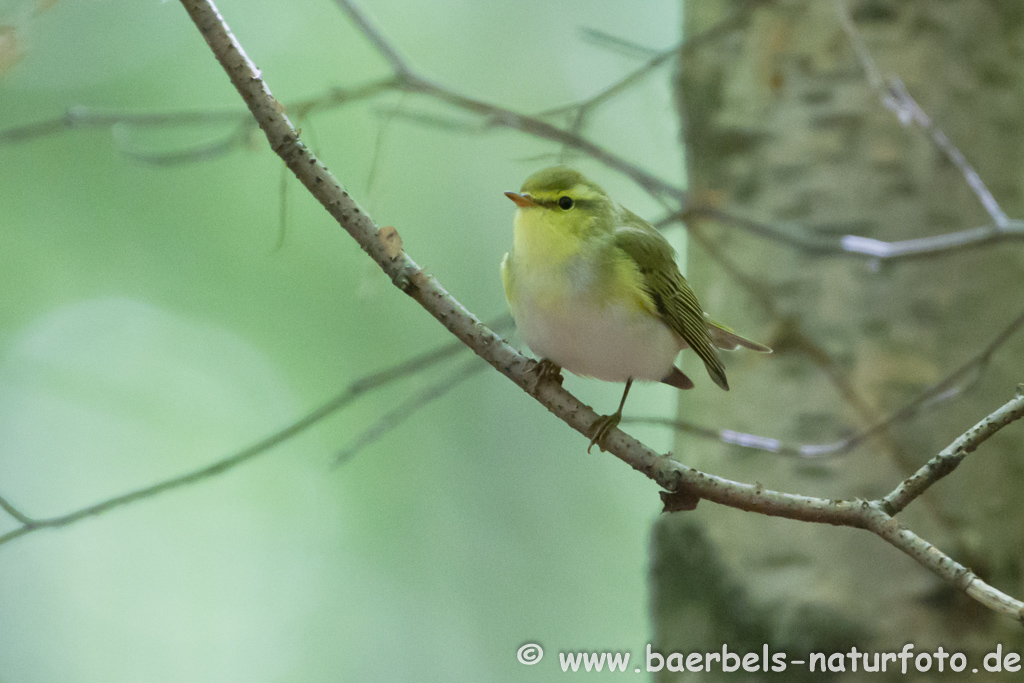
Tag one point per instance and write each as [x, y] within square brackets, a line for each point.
[895, 97]
[683, 481]
[354, 391]
[380, 43]
[502, 117]
[952, 455]
[403, 271]
[406, 409]
[579, 110]
[14, 512]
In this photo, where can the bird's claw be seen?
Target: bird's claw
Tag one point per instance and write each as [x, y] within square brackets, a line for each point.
[546, 369]
[601, 428]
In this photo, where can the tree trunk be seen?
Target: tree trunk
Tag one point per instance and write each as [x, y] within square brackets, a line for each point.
[782, 127]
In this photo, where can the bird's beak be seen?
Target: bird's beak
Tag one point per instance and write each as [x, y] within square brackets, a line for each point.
[522, 200]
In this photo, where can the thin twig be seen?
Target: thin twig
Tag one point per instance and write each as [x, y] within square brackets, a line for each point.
[608, 92]
[863, 247]
[407, 408]
[578, 110]
[404, 79]
[501, 117]
[380, 43]
[895, 97]
[77, 118]
[355, 390]
[618, 44]
[82, 117]
[15, 512]
[893, 532]
[187, 155]
[951, 456]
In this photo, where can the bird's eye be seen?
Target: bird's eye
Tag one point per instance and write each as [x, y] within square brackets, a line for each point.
[565, 203]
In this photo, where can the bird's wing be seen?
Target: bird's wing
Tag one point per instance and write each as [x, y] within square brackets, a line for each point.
[675, 301]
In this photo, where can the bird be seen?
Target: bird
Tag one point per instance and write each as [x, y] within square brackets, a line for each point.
[595, 289]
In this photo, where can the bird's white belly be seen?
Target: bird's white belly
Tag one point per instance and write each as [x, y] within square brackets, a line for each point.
[612, 342]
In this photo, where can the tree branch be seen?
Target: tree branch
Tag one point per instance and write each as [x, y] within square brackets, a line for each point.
[668, 473]
[501, 117]
[578, 111]
[895, 97]
[862, 247]
[354, 391]
[407, 408]
[953, 454]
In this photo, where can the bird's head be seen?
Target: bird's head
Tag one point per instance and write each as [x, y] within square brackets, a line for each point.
[563, 199]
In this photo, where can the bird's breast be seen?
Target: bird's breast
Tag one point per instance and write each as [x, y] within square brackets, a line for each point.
[589, 318]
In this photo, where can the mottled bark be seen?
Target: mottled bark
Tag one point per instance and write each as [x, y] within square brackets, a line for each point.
[781, 126]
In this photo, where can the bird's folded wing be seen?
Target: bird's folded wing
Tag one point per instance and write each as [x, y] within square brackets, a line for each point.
[676, 303]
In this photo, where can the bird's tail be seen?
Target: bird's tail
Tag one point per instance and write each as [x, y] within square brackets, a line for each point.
[725, 338]
[677, 379]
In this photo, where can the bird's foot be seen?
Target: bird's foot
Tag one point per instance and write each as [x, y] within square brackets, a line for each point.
[601, 428]
[546, 369]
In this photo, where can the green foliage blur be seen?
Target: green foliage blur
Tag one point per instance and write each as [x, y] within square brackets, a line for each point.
[150, 324]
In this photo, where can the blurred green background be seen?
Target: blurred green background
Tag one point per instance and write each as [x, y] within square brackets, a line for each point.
[150, 325]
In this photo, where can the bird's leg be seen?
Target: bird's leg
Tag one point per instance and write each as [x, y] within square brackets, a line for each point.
[606, 423]
[547, 369]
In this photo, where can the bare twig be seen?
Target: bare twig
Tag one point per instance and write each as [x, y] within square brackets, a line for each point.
[404, 79]
[208, 150]
[501, 117]
[81, 117]
[618, 44]
[369, 30]
[78, 118]
[14, 512]
[864, 247]
[894, 97]
[951, 456]
[579, 110]
[407, 408]
[354, 391]
[940, 564]
[790, 336]
[935, 245]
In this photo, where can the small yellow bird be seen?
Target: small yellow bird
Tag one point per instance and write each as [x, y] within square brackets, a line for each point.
[595, 289]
